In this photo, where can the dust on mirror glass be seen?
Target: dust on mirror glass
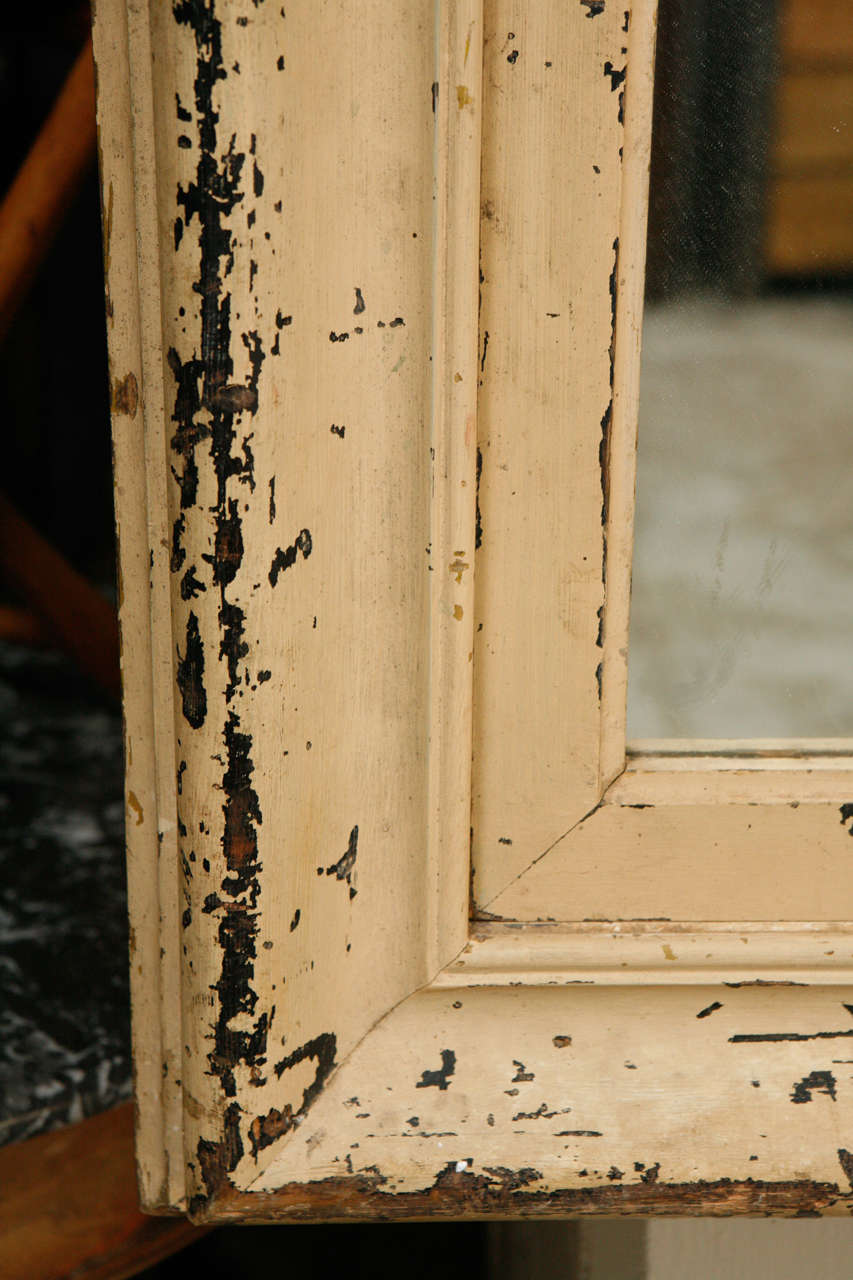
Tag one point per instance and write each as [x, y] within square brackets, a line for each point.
[742, 599]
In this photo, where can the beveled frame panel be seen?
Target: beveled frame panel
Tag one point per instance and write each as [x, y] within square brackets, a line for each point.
[305, 212]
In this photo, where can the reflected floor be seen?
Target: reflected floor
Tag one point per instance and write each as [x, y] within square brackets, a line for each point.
[742, 601]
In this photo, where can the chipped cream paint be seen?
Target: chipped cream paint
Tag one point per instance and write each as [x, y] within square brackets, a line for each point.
[375, 556]
[708, 1105]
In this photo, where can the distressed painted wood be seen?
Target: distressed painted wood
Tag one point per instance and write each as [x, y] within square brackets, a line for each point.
[553, 1100]
[131, 300]
[562, 253]
[673, 838]
[374, 307]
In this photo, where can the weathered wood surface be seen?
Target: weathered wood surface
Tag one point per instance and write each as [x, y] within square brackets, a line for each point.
[307, 387]
[69, 1206]
[561, 255]
[699, 844]
[581, 1099]
[128, 211]
[342, 662]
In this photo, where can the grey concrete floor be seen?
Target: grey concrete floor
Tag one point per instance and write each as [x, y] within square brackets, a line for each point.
[742, 602]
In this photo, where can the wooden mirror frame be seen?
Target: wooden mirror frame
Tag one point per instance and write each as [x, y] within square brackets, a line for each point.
[413, 934]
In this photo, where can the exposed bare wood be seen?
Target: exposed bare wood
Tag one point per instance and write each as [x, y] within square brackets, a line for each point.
[129, 218]
[69, 1206]
[454, 473]
[461, 1198]
[553, 137]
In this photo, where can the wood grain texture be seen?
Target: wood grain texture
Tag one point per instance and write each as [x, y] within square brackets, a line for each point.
[146, 668]
[308, 376]
[68, 1206]
[584, 1099]
[319, 203]
[686, 849]
[808, 201]
[553, 133]
[453, 519]
[620, 461]
[653, 953]
[296, 564]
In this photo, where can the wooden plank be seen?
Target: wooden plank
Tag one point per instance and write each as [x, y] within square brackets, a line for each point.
[582, 1099]
[453, 518]
[644, 953]
[338, 329]
[132, 302]
[621, 460]
[552, 312]
[698, 847]
[69, 1206]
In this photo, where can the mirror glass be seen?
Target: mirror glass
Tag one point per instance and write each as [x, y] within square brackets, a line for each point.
[742, 599]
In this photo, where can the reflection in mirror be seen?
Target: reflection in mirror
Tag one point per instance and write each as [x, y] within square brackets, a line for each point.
[742, 601]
